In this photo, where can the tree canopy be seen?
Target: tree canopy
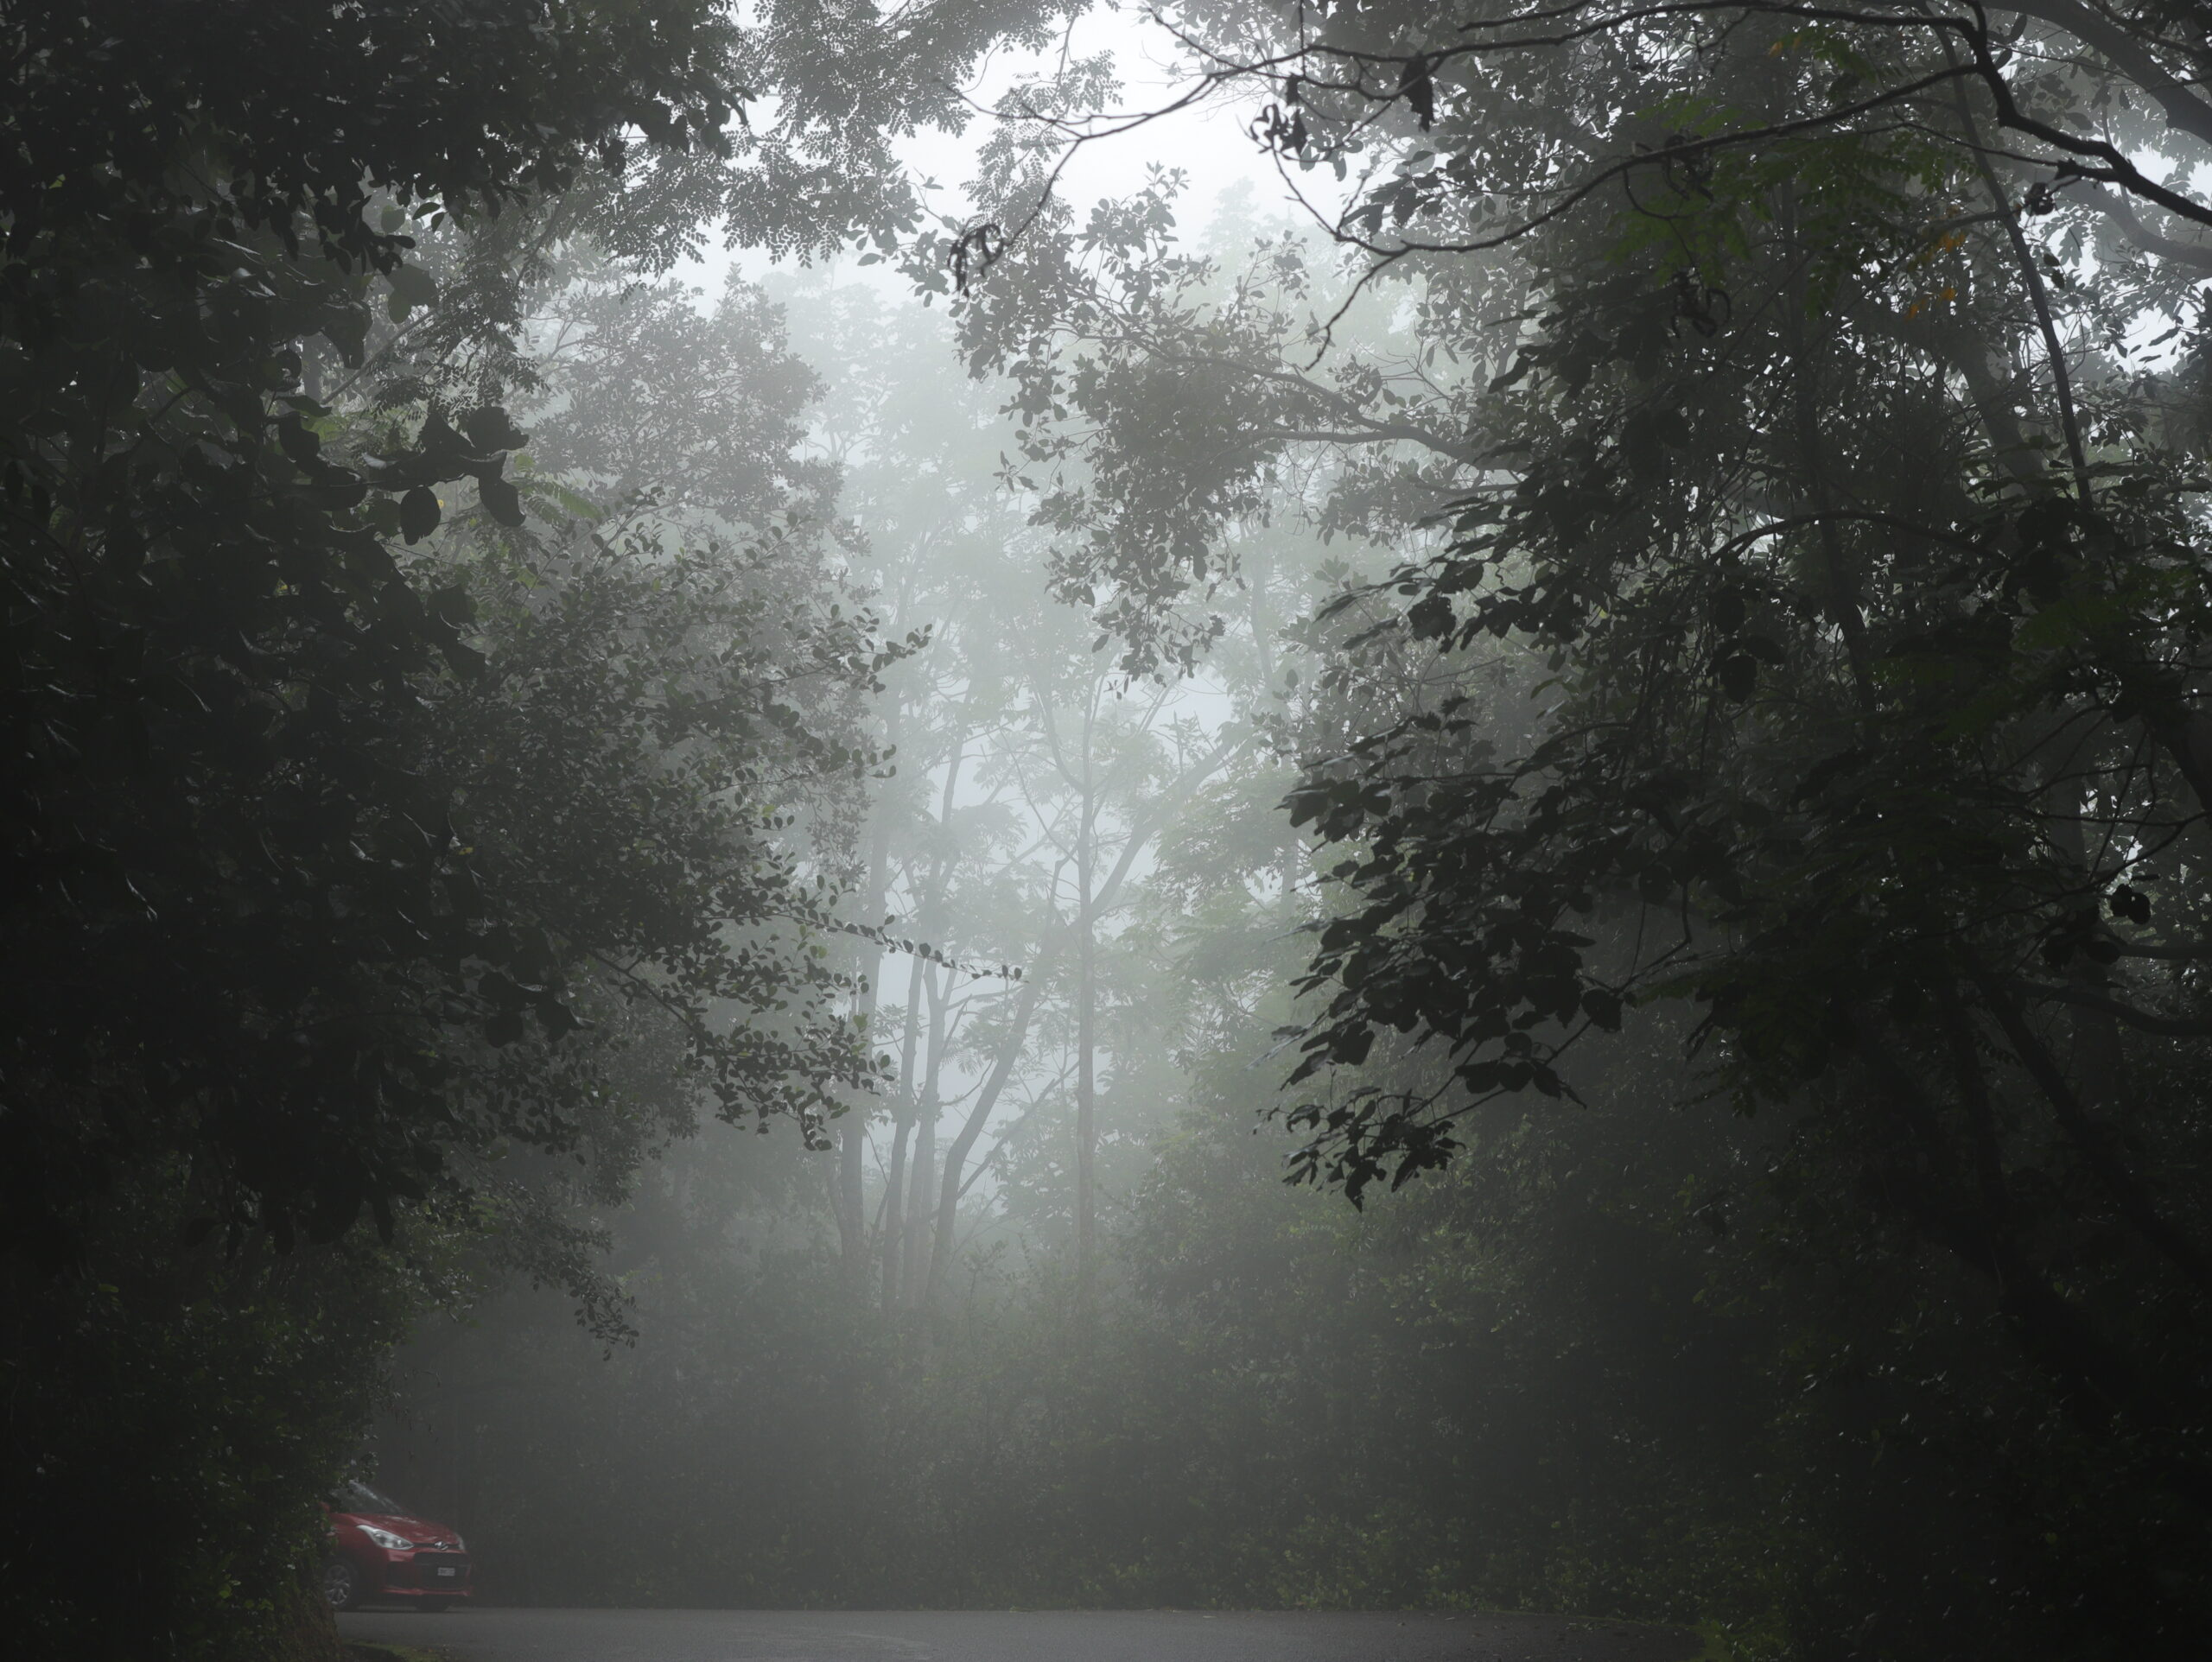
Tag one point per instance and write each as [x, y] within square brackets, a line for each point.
[1635, 666]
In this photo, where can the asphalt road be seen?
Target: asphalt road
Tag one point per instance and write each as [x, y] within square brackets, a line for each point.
[494, 1635]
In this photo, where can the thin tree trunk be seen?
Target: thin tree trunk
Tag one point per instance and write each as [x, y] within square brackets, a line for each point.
[1086, 1102]
[920, 1270]
[919, 1211]
[1086, 1087]
[987, 1098]
[894, 1183]
[1842, 597]
[910, 1242]
[894, 1213]
[850, 1194]
[850, 1198]
[1033, 991]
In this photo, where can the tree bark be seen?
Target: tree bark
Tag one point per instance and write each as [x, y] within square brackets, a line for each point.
[1086, 1084]
[920, 1271]
[851, 1199]
[894, 1213]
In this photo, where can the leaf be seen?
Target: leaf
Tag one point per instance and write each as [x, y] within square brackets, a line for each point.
[489, 428]
[1763, 649]
[442, 449]
[419, 513]
[300, 443]
[500, 499]
[126, 547]
[452, 605]
[412, 286]
[557, 1019]
[1430, 617]
[1643, 444]
[1826, 771]
[1739, 677]
[1417, 86]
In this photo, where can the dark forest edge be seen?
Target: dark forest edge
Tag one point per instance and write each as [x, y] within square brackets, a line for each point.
[1737, 932]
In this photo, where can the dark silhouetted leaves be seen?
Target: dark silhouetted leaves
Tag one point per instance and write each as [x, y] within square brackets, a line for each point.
[500, 499]
[418, 513]
[1739, 676]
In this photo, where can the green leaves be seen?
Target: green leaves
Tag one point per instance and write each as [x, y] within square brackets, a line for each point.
[248, 815]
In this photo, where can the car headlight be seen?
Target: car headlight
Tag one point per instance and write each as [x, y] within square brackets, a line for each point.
[386, 1538]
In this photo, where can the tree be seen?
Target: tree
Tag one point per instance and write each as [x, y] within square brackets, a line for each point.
[387, 822]
[990, 810]
[1841, 535]
[221, 703]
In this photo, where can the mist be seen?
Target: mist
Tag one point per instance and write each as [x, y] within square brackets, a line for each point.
[1029, 831]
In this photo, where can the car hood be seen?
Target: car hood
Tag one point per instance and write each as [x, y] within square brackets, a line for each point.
[418, 1530]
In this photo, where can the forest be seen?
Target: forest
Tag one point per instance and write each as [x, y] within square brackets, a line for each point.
[1292, 805]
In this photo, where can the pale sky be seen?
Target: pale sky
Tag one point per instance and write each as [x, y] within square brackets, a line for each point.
[1208, 141]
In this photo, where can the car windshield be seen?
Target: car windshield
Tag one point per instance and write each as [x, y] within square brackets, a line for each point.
[359, 1497]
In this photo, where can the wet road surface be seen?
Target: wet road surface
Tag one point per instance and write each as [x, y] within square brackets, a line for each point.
[496, 1635]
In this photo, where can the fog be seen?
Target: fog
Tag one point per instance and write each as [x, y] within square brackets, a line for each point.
[1329, 807]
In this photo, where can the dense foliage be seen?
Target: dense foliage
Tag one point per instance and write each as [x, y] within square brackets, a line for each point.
[405, 835]
[1637, 677]
[1794, 424]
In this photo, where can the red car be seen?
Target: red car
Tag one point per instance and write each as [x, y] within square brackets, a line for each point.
[380, 1551]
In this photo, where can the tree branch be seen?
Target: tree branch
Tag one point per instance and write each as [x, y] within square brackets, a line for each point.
[2185, 111]
[2116, 208]
[2090, 1138]
[2141, 1020]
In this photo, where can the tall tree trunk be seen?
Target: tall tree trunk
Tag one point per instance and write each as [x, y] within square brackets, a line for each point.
[1033, 987]
[894, 1184]
[1293, 847]
[1842, 599]
[851, 1199]
[920, 1271]
[964, 1142]
[911, 1241]
[894, 1212]
[1086, 971]
[850, 1196]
